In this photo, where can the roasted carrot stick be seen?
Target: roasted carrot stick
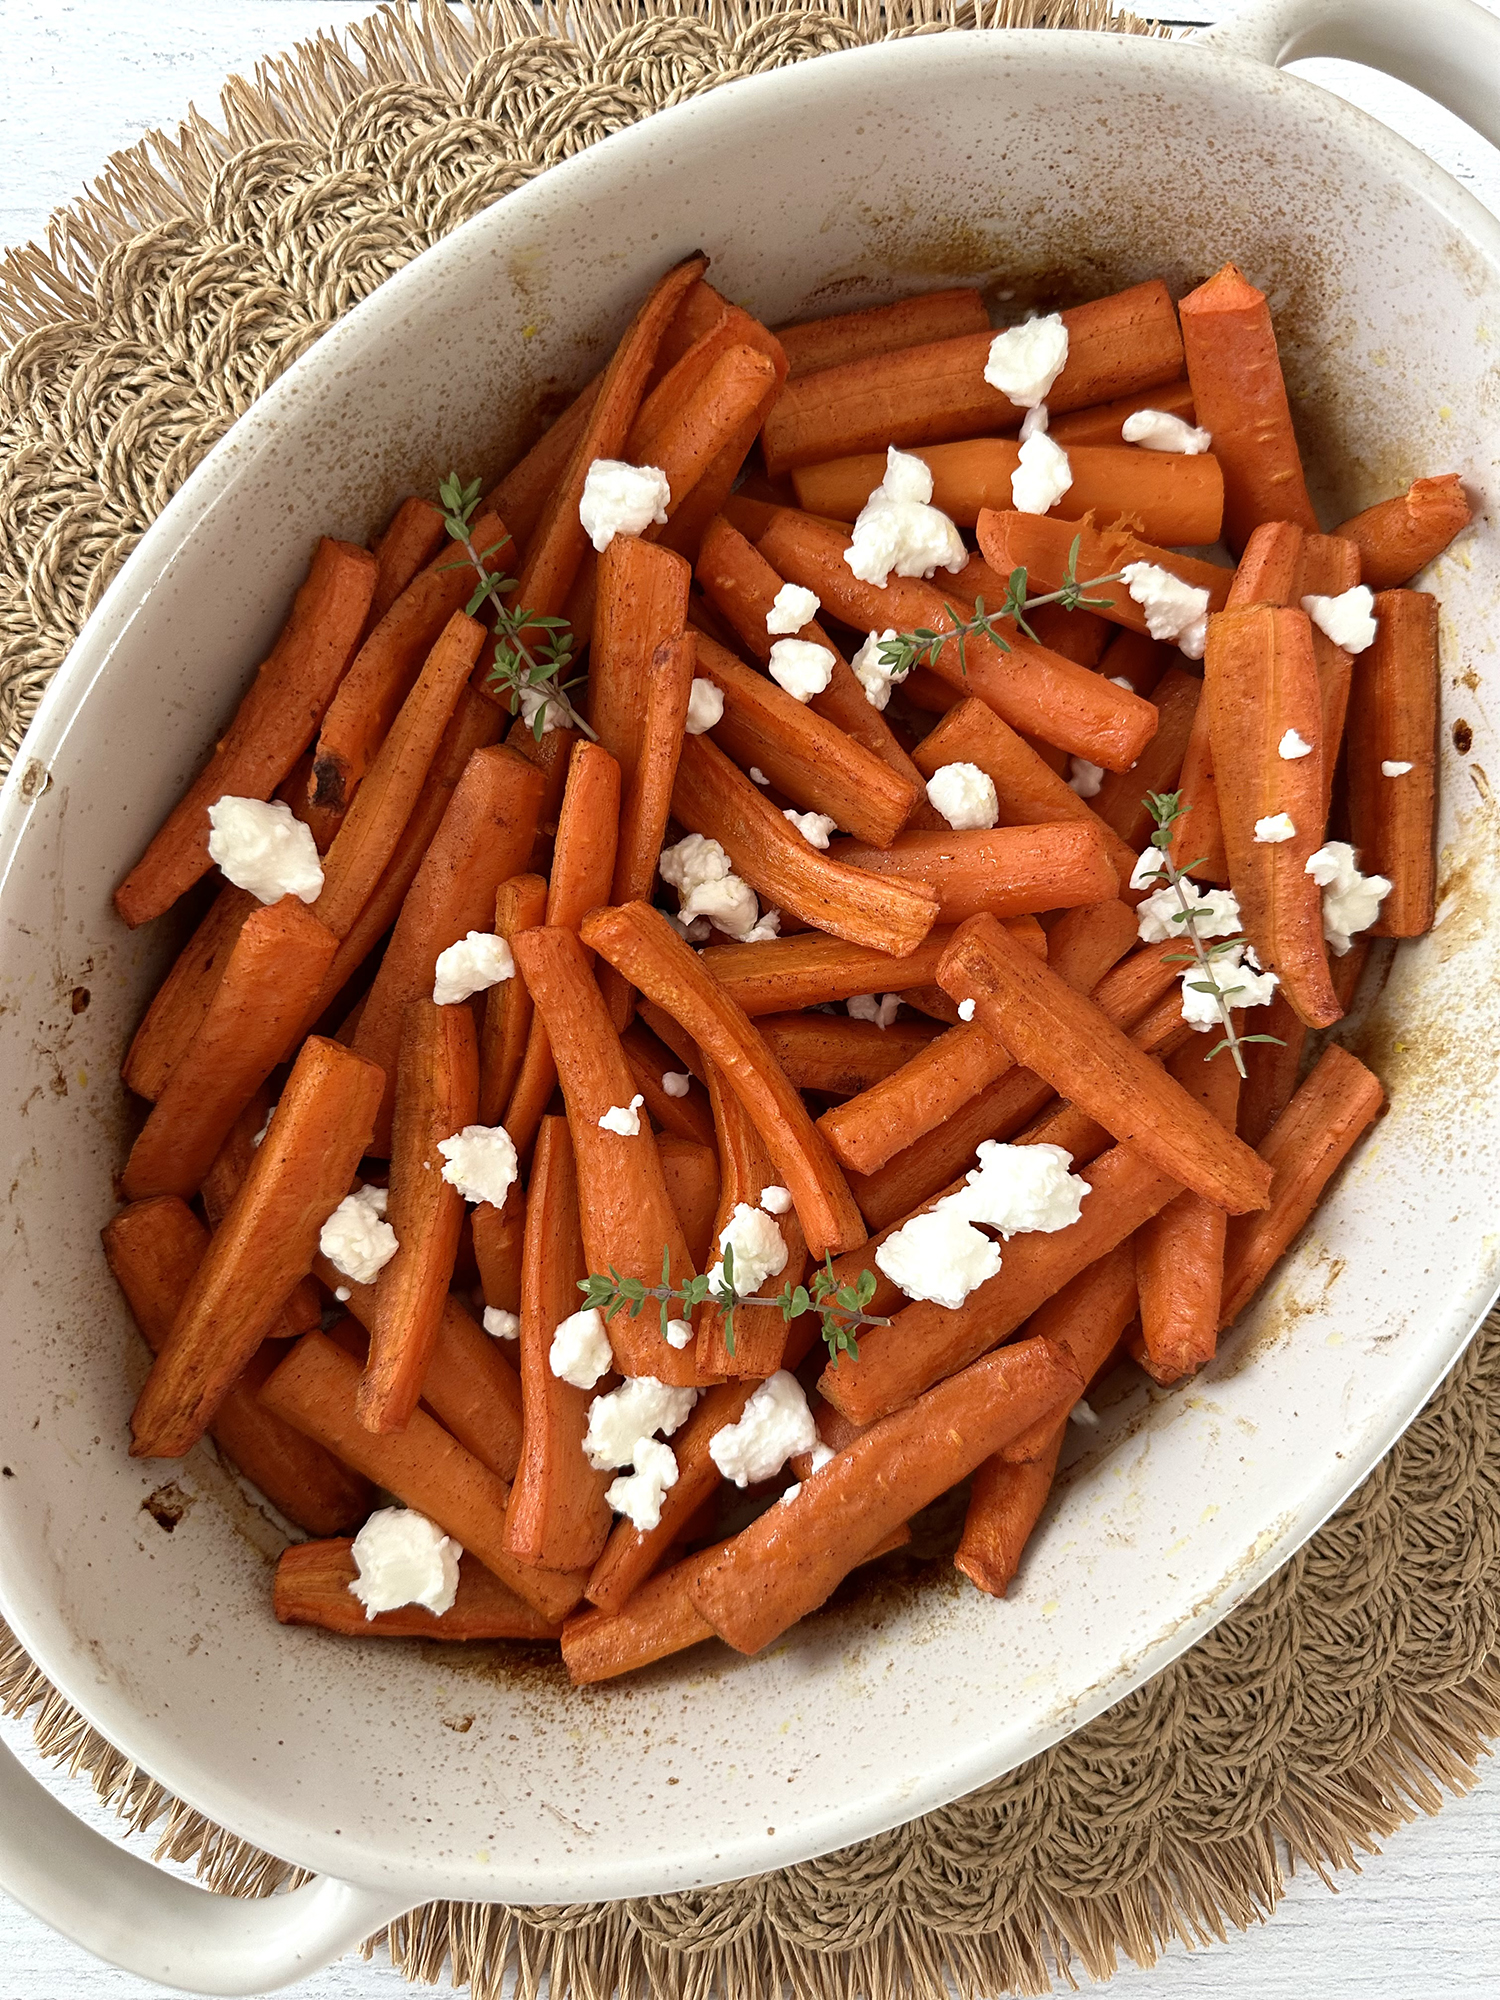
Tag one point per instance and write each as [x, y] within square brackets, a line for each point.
[1397, 537]
[1260, 680]
[1005, 1504]
[672, 1035]
[915, 1174]
[1171, 498]
[855, 336]
[1137, 659]
[672, 387]
[520, 905]
[1084, 1322]
[1241, 399]
[293, 794]
[1035, 691]
[628, 1218]
[689, 438]
[185, 995]
[303, 1308]
[840, 1057]
[692, 1176]
[1078, 635]
[714, 798]
[154, 1248]
[265, 1244]
[1304, 1148]
[1271, 1069]
[525, 490]
[684, 531]
[1394, 724]
[1007, 870]
[272, 726]
[273, 974]
[1066, 1038]
[1102, 422]
[315, 1388]
[411, 540]
[1120, 800]
[642, 601]
[1198, 837]
[551, 757]
[1329, 566]
[810, 970]
[683, 1117]
[485, 837]
[787, 1562]
[1041, 546]
[642, 944]
[312, 1587]
[928, 394]
[499, 1235]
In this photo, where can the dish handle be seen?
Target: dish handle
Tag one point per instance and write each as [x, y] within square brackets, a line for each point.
[1448, 49]
[135, 1915]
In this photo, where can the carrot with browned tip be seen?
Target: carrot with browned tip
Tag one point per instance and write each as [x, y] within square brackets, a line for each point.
[412, 538]
[691, 1172]
[300, 1173]
[1102, 423]
[688, 1116]
[813, 344]
[1399, 536]
[314, 1586]
[811, 970]
[272, 726]
[628, 1220]
[1303, 1149]
[642, 944]
[1121, 799]
[1044, 547]
[839, 1057]
[520, 905]
[1240, 398]
[525, 490]
[154, 1249]
[1394, 724]
[182, 1001]
[642, 602]
[1005, 1503]
[1006, 870]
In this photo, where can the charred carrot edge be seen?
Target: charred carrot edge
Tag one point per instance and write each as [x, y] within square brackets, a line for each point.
[639, 942]
[558, 1518]
[272, 726]
[814, 344]
[412, 538]
[185, 995]
[1198, 838]
[929, 394]
[1005, 1503]
[525, 490]
[690, 437]
[437, 1094]
[1035, 691]
[713, 797]
[484, 837]
[830, 1053]
[628, 1218]
[761, 1334]
[154, 1248]
[1304, 1148]
[789, 1561]
[274, 972]
[810, 970]
[314, 1389]
[1397, 537]
[313, 1582]
[689, 1117]
[499, 1236]
[1041, 546]
[1005, 870]
[520, 905]
[1171, 498]
[1121, 799]
[293, 794]
[1240, 396]
[1102, 423]
[1271, 1070]
[642, 601]
[1394, 719]
[1260, 679]
[1179, 1258]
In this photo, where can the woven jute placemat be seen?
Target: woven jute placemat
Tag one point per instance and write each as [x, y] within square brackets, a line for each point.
[1340, 1699]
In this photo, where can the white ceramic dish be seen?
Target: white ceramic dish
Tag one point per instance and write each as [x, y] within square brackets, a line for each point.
[835, 183]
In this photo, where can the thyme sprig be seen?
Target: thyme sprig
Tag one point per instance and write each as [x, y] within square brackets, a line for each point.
[840, 1308]
[532, 651]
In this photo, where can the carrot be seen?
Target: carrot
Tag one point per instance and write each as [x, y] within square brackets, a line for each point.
[855, 336]
[551, 757]
[1042, 546]
[1304, 1149]
[412, 538]
[1179, 1258]
[1198, 837]
[688, 1117]
[788, 1561]
[272, 726]
[1120, 801]
[1084, 1322]
[1007, 870]
[673, 387]
[926, 395]
[426, 1469]
[684, 531]
[690, 437]
[642, 944]
[1329, 567]
[1241, 400]
[673, 1036]
[628, 1219]
[1260, 680]
[525, 490]
[1005, 1504]
[1102, 423]
[303, 1308]
[265, 1244]
[642, 600]
[582, 868]
[1080, 636]
[154, 1248]
[498, 1235]
[1397, 537]
[929, 1163]
[520, 905]
[293, 794]
[1033, 690]
[485, 836]
[183, 999]
[1271, 1069]
[372, 826]
[840, 1057]
[810, 970]
[313, 1583]
[1128, 991]
[712, 797]
[1395, 721]
[1067, 1039]
[1137, 659]
[1349, 970]
[1170, 497]
[691, 1172]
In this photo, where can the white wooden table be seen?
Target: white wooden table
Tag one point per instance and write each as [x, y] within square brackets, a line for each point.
[86, 77]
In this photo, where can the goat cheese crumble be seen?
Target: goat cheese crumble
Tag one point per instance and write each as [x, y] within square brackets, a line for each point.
[639, 1494]
[502, 1325]
[775, 1200]
[1292, 746]
[874, 675]
[942, 1257]
[1351, 901]
[757, 776]
[259, 845]
[966, 1010]
[759, 1248]
[1348, 619]
[938, 1256]
[801, 667]
[624, 1118]
[621, 499]
[775, 1425]
[1042, 477]
[639, 1408]
[1174, 610]
[964, 795]
[705, 707]
[356, 1239]
[1274, 828]
[898, 529]
[698, 869]
[1085, 778]
[480, 1162]
[1024, 361]
[473, 965]
[792, 608]
[813, 827]
[1159, 430]
[881, 1009]
[1391, 769]
[403, 1558]
[676, 1082]
[679, 1333]
[580, 1351]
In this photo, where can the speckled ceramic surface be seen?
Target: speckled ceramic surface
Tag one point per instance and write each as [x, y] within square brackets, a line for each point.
[1044, 164]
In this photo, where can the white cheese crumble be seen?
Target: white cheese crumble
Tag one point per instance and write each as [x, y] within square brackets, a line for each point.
[882, 1010]
[1085, 778]
[356, 1239]
[676, 1082]
[1348, 619]
[775, 1200]
[966, 1010]
[1237, 974]
[1159, 430]
[261, 846]
[1026, 360]
[1292, 746]
[757, 776]
[767, 928]
[821, 1454]
[580, 1352]
[874, 675]
[801, 667]
[791, 1493]
[621, 499]
[897, 529]
[1351, 901]
[698, 869]
[501, 1324]
[1084, 1413]
[758, 1246]
[705, 707]
[1035, 422]
[638, 1409]
[260, 1135]
[1214, 912]
[555, 710]
[1274, 828]
[813, 827]
[343, 1294]
[638, 1495]
[473, 965]
[964, 795]
[624, 1118]
[1174, 610]
[679, 1333]
[792, 608]
[938, 1256]
[941, 1257]
[480, 1162]
[403, 1558]
[776, 1424]
[1391, 769]
[1042, 477]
